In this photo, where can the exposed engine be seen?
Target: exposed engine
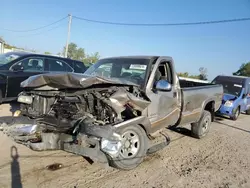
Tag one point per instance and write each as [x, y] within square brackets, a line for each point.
[59, 110]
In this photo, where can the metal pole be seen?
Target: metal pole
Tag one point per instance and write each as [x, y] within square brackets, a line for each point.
[68, 38]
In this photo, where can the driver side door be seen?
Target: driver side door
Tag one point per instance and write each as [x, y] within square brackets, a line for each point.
[29, 66]
[165, 106]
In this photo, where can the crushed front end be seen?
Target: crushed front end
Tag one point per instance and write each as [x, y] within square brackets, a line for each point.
[78, 120]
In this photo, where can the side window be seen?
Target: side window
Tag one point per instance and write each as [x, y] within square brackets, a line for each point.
[103, 70]
[163, 72]
[32, 64]
[58, 66]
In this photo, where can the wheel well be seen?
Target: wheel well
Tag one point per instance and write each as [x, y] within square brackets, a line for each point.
[143, 128]
[147, 133]
[210, 107]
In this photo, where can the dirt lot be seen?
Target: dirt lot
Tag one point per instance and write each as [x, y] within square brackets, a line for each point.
[222, 159]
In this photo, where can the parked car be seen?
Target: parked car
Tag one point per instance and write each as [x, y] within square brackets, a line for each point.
[236, 98]
[15, 67]
[115, 116]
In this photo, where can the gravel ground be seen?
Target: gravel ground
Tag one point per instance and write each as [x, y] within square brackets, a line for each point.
[222, 160]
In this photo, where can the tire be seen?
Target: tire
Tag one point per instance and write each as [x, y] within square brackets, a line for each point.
[202, 127]
[127, 163]
[236, 114]
[248, 111]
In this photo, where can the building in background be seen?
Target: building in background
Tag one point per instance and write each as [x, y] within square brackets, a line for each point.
[1, 46]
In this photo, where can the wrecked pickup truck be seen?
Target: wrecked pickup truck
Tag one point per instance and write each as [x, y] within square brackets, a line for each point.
[115, 113]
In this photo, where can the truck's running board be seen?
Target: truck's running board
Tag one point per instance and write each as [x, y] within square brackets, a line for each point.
[160, 141]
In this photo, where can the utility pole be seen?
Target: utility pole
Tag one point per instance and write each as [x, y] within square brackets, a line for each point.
[68, 38]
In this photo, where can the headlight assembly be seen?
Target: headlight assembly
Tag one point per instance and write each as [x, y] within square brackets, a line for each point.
[25, 99]
[228, 103]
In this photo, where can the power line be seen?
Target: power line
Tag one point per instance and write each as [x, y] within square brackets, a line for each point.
[163, 24]
[40, 33]
[35, 29]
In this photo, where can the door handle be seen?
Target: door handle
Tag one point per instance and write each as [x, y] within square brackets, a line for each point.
[174, 94]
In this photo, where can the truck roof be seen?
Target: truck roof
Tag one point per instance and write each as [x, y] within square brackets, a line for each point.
[232, 77]
[134, 57]
[138, 57]
[236, 79]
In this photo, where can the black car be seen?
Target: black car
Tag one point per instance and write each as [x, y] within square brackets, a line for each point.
[15, 67]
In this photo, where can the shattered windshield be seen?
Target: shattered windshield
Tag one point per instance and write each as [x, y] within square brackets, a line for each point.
[124, 69]
[8, 57]
[230, 87]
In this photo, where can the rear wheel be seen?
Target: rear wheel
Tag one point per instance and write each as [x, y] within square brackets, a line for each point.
[236, 114]
[202, 127]
[133, 150]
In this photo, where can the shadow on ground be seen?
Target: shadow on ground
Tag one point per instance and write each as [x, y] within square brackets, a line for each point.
[221, 118]
[14, 106]
[181, 130]
[234, 127]
[15, 169]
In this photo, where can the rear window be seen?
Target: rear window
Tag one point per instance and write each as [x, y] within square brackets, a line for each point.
[232, 86]
[79, 67]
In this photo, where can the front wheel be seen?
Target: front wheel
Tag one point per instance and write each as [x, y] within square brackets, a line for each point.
[202, 127]
[133, 150]
[236, 114]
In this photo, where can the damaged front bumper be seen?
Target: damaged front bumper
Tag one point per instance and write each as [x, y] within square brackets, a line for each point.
[97, 143]
[87, 147]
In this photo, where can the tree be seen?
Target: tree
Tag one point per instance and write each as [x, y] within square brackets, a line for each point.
[244, 70]
[91, 59]
[186, 75]
[76, 53]
[183, 74]
[201, 76]
[48, 53]
[203, 73]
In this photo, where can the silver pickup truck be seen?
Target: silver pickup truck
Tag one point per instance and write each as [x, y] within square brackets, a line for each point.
[117, 112]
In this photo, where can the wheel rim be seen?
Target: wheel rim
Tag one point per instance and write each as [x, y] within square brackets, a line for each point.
[131, 144]
[206, 123]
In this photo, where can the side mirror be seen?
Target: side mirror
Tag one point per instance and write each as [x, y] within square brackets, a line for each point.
[17, 68]
[163, 85]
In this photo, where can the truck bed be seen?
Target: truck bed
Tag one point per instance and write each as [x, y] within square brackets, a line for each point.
[195, 97]
[187, 83]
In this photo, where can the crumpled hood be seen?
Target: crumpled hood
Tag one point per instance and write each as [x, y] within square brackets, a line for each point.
[69, 80]
[229, 97]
